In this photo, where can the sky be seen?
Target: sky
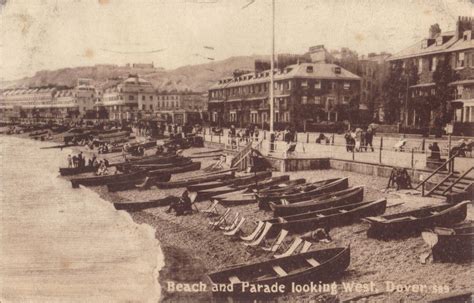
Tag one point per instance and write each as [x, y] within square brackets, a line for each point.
[49, 34]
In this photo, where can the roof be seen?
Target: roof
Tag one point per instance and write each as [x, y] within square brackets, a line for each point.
[462, 44]
[320, 71]
[452, 42]
[417, 50]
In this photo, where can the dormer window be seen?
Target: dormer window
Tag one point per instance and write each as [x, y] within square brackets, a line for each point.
[337, 70]
[424, 43]
[439, 40]
[467, 35]
[309, 69]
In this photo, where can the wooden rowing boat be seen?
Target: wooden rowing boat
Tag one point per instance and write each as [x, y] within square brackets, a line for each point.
[283, 187]
[320, 265]
[250, 184]
[322, 201]
[103, 180]
[142, 182]
[141, 205]
[411, 223]
[451, 244]
[69, 171]
[248, 193]
[454, 297]
[246, 179]
[214, 176]
[178, 162]
[317, 188]
[151, 177]
[329, 217]
[125, 166]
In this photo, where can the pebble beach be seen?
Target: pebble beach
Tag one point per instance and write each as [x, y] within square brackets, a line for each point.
[191, 249]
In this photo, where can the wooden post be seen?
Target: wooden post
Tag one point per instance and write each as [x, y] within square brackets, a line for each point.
[307, 137]
[412, 157]
[353, 153]
[211, 136]
[380, 150]
[423, 145]
[220, 139]
[264, 134]
[451, 163]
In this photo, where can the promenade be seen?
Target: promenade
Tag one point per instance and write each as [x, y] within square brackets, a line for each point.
[413, 156]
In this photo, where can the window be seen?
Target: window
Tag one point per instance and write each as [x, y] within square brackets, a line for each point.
[460, 60]
[151, 107]
[143, 98]
[130, 98]
[304, 83]
[420, 65]
[287, 116]
[333, 85]
[434, 63]
[304, 100]
[309, 69]
[347, 85]
[459, 91]
[143, 106]
[345, 100]
[317, 84]
[151, 98]
[330, 103]
[317, 100]
[288, 83]
[439, 40]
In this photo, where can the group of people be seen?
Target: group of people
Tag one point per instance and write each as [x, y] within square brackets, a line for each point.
[359, 140]
[243, 135]
[79, 161]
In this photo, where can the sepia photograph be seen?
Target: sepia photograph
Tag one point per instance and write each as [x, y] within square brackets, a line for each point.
[236, 151]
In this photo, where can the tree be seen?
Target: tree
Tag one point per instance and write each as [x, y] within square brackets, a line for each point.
[308, 111]
[396, 89]
[391, 92]
[442, 76]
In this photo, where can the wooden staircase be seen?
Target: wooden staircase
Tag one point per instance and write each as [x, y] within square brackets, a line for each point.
[242, 160]
[454, 184]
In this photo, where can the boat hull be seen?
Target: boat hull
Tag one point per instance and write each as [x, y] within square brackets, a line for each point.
[413, 222]
[336, 261]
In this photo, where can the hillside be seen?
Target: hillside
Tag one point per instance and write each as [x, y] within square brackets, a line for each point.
[189, 77]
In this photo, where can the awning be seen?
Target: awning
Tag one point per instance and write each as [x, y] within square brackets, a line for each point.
[461, 82]
[423, 85]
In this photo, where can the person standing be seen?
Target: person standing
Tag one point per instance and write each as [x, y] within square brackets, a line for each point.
[369, 137]
[80, 159]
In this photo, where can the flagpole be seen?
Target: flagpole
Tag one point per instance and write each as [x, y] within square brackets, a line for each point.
[272, 68]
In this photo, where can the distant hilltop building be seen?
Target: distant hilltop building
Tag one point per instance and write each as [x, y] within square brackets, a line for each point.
[141, 65]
